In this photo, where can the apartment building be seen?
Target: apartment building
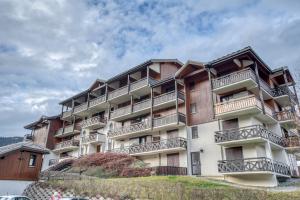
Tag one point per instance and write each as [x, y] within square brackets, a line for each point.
[242, 119]
[233, 118]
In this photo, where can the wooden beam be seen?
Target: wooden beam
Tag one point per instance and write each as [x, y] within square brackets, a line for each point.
[261, 98]
[176, 95]
[211, 93]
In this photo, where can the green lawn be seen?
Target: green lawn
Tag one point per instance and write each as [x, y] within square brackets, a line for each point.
[168, 187]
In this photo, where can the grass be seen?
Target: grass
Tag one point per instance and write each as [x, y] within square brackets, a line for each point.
[168, 187]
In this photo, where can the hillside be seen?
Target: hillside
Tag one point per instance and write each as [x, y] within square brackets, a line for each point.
[9, 140]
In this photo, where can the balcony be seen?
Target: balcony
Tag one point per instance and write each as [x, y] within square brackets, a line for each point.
[131, 130]
[66, 146]
[163, 146]
[288, 118]
[94, 139]
[250, 134]
[66, 115]
[167, 100]
[118, 93]
[120, 113]
[240, 106]
[169, 170]
[67, 131]
[234, 81]
[169, 121]
[281, 94]
[260, 165]
[93, 123]
[98, 102]
[292, 144]
[80, 109]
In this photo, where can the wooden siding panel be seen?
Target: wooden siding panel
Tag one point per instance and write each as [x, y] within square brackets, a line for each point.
[15, 166]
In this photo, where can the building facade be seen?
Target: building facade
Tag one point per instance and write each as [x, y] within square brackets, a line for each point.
[232, 118]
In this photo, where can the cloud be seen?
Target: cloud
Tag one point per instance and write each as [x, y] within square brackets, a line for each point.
[52, 49]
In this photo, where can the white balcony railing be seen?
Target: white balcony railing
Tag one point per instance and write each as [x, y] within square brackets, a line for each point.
[139, 84]
[67, 144]
[94, 138]
[169, 119]
[132, 128]
[66, 114]
[163, 98]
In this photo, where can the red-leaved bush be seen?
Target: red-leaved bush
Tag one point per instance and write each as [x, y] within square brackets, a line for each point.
[111, 162]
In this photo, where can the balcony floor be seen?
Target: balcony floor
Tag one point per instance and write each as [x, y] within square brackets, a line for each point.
[65, 149]
[245, 111]
[168, 126]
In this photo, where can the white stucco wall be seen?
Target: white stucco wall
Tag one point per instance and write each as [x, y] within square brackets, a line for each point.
[8, 187]
[211, 151]
[47, 158]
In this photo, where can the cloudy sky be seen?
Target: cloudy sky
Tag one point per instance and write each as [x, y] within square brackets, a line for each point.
[52, 49]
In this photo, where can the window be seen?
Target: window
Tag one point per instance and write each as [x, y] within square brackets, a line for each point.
[194, 132]
[192, 85]
[32, 160]
[193, 108]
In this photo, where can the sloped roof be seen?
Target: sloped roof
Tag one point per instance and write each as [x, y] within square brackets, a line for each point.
[187, 65]
[28, 146]
[42, 118]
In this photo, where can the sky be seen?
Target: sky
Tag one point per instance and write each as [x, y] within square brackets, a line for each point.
[52, 49]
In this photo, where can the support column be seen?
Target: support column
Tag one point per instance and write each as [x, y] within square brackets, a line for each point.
[73, 103]
[109, 111]
[106, 92]
[151, 110]
[148, 75]
[259, 88]
[211, 93]
[286, 85]
[131, 103]
[88, 100]
[295, 92]
[128, 82]
[176, 95]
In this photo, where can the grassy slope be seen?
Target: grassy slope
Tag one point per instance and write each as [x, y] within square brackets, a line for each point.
[168, 187]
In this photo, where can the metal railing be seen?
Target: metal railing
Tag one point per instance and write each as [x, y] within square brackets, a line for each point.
[283, 90]
[141, 105]
[97, 101]
[248, 133]
[266, 87]
[237, 104]
[132, 128]
[94, 138]
[68, 129]
[121, 111]
[177, 142]
[253, 165]
[169, 119]
[118, 92]
[93, 121]
[233, 78]
[68, 143]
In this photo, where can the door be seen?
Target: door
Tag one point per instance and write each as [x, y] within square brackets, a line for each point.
[196, 165]
[98, 148]
[173, 160]
[234, 157]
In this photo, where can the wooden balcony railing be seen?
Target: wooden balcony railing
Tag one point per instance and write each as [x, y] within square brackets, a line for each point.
[233, 78]
[169, 119]
[68, 143]
[248, 133]
[237, 104]
[94, 138]
[118, 92]
[164, 98]
[286, 115]
[139, 84]
[169, 170]
[121, 111]
[132, 128]
[68, 129]
[97, 101]
[253, 165]
[177, 142]
[80, 107]
[93, 121]
[292, 141]
[67, 114]
[142, 105]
